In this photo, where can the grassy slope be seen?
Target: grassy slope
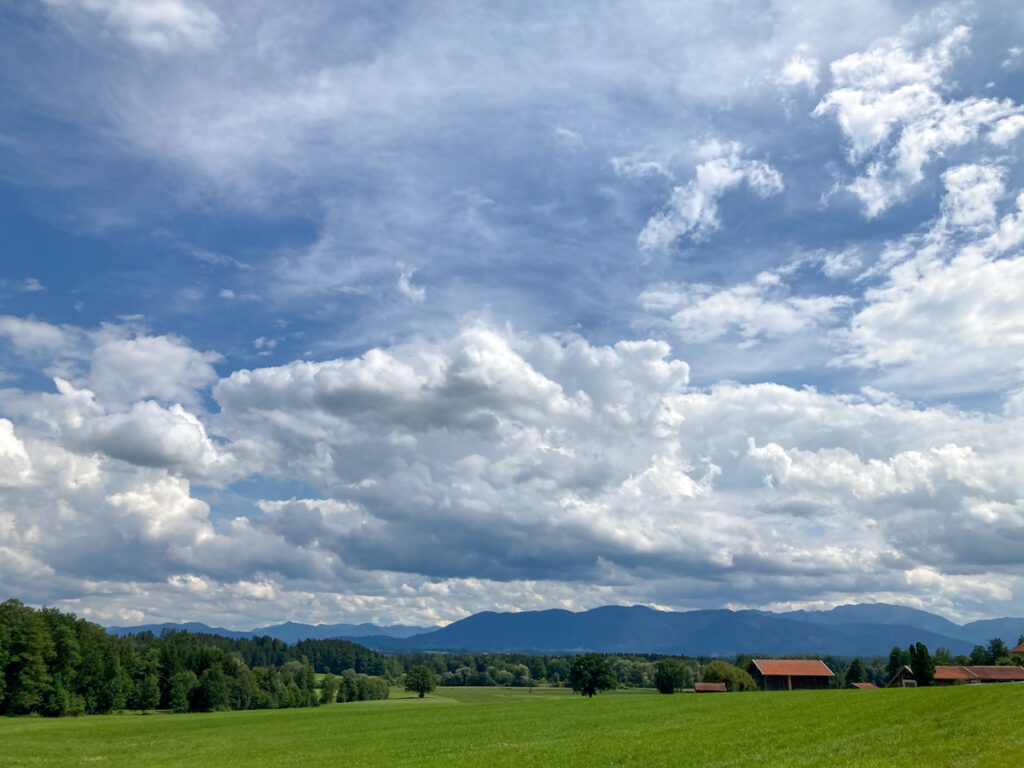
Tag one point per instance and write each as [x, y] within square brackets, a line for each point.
[962, 726]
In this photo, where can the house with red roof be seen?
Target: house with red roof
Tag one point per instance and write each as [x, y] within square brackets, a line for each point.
[863, 686]
[790, 674]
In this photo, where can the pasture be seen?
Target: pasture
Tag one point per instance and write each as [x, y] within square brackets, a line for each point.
[959, 726]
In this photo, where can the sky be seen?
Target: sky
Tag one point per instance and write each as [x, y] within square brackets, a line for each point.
[402, 311]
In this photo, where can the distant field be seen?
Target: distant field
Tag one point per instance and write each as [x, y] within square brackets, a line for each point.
[960, 726]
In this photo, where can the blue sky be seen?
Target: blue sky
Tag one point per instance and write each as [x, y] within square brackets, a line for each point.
[399, 312]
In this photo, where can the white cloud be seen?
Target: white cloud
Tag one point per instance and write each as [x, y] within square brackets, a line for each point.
[15, 465]
[693, 207]
[800, 70]
[125, 370]
[148, 435]
[543, 471]
[35, 336]
[961, 304]
[1007, 130]
[756, 310]
[889, 103]
[416, 293]
[158, 25]
[972, 192]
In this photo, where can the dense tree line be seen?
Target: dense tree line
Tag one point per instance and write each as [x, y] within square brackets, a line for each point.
[52, 663]
[522, 670]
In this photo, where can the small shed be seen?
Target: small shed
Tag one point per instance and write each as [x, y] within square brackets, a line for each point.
[863, 686]
[903, 679]
[790, 674]
[709, 687]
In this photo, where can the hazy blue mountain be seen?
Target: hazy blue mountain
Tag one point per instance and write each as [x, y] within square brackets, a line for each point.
[188, 626]
[975, 633]
[620, 629]
[848, 630]
[877, 613]
[289, 632]
[980, 632]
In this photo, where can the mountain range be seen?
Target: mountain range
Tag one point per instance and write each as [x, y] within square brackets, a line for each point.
[289, 632]
[848, 630]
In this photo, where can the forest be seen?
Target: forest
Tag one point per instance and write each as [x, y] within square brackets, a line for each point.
[52, 663]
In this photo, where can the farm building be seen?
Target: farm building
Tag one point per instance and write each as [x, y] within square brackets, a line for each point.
[949, 675]
[903, 679]
[952, 675]
[985, 674]
[790, 674]
[863, 686]
[1018, 649]
[709, 687]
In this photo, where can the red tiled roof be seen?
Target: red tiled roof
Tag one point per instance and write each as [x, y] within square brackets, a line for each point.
[793, 667]
[709, 687]
[998, 674]
[864, 686]
[953, 673]
[1018, 649]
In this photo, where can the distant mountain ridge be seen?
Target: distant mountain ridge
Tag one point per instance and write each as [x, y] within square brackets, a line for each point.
[290, 632]
[847, 630]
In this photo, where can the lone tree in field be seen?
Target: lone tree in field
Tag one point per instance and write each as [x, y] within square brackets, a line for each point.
[668, 677]
[591, 673]
[420, 680]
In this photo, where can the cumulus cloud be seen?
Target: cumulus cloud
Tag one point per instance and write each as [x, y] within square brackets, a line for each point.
[890, 105]
[163, 367]
[800, 70]
[28, 335]
[972, 192]
[961, 302]
[755, 310]
[15, 465]
[693, 207]
[504, 467]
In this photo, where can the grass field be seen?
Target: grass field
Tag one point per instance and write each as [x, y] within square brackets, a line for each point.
[960, 726]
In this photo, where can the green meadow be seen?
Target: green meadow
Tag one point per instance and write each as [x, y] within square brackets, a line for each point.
[959, 726]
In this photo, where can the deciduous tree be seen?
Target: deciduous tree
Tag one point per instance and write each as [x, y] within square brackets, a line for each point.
[668, 675]
[591, 673]
[735, 679]
[856, 673]
[420, 680]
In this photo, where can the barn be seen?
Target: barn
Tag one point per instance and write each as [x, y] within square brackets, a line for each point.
[903, 679]
[951, 675]
[790, 674]
[988, 674]
[709, 687]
